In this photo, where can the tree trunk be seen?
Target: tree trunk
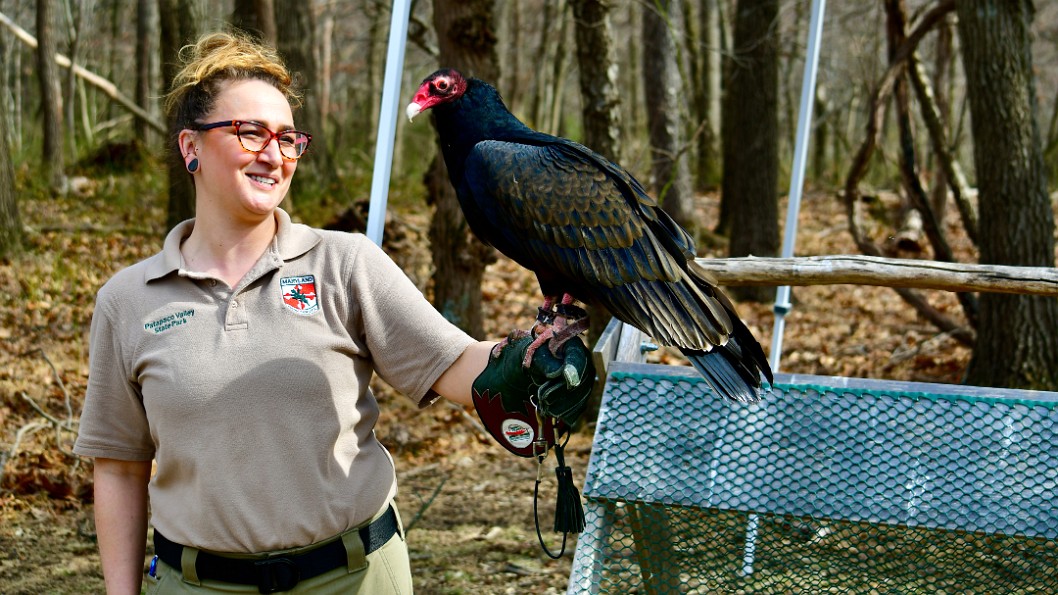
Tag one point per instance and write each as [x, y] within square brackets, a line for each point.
[10, 223]
[751, 137]
[179, 24]
[941, 65]
[538, 107]
[1017, 346]
[50, 96]
[597, 63]
[663, 89]
[74, 20]
[145, 18]
[256, 17]
[559, 67]
[296, 42]
[706, 83]
[600, 101]
[466, 40]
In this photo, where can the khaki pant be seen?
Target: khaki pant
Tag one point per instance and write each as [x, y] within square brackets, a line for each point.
[387, 572]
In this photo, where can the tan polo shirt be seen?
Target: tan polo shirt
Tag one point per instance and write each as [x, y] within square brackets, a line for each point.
[254, 401]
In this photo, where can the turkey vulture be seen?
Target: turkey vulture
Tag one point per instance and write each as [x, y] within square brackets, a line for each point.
[588, 230]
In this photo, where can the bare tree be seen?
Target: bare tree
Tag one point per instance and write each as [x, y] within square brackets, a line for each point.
[10, 223]
[50, 96]
[146, 27]
[663, 88]
[751, 137]
[180, 23]
[466, 40]
[296, 42]
[597, 64]
[256, 17]
[600, 101]
[703, 53]
[1016, 342]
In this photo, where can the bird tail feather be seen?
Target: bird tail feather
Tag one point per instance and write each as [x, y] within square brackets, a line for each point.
[723, 377]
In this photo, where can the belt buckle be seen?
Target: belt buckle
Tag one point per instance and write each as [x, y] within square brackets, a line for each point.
[276, 574]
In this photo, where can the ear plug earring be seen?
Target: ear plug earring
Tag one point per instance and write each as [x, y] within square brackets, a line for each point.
[192, 165]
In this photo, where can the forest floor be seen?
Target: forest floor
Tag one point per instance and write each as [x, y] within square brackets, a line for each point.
[467, 503]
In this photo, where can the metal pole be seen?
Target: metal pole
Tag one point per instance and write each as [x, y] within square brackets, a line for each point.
[797, 174]
[387, 119]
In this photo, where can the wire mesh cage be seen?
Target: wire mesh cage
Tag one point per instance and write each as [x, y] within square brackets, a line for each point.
[829, 485]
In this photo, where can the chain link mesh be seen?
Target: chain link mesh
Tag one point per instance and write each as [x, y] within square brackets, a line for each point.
[829, 485]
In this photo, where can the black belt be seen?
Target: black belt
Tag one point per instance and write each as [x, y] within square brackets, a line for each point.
[280, 572]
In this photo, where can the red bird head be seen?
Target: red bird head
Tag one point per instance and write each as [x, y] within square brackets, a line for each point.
[442, 86]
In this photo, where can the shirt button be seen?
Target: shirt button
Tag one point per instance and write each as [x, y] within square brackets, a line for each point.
[235, 304]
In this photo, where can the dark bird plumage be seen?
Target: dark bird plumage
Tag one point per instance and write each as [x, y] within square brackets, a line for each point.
[588, 229]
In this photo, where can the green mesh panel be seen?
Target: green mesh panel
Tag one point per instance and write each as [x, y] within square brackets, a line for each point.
[829, 485]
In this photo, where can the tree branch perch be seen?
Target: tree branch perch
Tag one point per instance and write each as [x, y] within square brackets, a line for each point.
[888, 272]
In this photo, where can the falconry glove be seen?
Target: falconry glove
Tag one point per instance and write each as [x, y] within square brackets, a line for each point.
[526, 408]
[523, 408]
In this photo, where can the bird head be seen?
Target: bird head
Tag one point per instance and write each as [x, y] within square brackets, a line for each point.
[443, 86]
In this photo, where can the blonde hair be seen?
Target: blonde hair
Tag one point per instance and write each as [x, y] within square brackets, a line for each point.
[216, 59]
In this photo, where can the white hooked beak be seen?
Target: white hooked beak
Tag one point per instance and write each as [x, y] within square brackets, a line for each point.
[412, 110]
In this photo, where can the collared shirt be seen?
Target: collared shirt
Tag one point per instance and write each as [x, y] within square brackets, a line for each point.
[254, 400]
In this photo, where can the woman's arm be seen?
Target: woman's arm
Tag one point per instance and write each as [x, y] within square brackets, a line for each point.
[456, 381]
[121, 521]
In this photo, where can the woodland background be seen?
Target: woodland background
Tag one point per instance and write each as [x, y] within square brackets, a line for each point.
[697, 98]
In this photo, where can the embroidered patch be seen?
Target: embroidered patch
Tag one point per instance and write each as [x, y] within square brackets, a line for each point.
[168, 322]
[299, 294]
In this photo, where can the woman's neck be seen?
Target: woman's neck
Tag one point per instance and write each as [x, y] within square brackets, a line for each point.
[225, 249]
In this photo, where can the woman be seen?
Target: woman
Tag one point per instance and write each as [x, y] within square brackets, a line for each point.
[238, 360]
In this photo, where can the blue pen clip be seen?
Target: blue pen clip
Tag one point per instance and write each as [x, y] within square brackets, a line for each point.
[153, 570]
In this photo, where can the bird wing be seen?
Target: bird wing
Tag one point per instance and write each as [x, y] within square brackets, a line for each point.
[585, 226]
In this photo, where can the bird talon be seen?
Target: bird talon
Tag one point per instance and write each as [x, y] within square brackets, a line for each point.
[570, 312]
[514, 335]
[545, 316]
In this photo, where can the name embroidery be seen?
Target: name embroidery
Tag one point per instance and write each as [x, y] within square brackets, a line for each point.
[167, 322]
[299, 294]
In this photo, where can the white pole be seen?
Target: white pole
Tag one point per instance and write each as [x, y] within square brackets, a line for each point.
[797, 174]
[387, 119]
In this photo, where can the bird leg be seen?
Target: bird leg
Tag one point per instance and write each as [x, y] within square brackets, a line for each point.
[556, 323]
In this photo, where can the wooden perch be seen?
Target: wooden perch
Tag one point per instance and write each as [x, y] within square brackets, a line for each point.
[107, 87]
[888, 272]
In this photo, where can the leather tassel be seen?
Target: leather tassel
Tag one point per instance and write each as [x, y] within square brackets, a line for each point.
[569, 512]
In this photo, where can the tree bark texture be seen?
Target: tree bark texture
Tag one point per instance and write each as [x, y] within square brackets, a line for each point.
[705, 79]
[296, 42]
[751, 136]
[256, 17]
[597, 63]
[10, 222]
[1017, 345]
[146, 13]
[466, 40]
[600, 101]
[886, 272]
[51, 97]
[663, 92]
[180, 24]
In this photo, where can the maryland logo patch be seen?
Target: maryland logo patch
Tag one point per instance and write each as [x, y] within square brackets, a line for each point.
[299, 294]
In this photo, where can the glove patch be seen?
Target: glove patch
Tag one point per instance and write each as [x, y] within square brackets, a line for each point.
[517, 433]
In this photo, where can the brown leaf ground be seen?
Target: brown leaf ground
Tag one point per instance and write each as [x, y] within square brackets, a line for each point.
[468, 503]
